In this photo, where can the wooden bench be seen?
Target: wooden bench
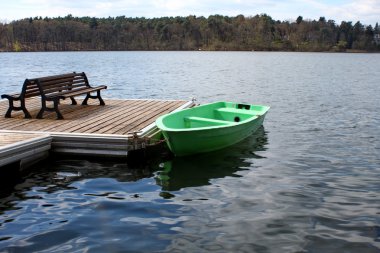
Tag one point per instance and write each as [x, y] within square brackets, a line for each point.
[53, 89]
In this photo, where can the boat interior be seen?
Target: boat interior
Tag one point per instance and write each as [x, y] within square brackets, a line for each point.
[221, 117]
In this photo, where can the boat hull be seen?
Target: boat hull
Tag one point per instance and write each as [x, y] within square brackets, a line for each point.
[209, 127]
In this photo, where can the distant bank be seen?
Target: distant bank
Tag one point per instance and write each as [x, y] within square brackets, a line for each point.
[215, 33]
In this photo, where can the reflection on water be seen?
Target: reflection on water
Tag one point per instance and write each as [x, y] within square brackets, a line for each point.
[307, 182]
[198, 170]
[79, 204]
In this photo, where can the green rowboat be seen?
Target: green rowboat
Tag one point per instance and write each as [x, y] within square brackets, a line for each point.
[210, 127]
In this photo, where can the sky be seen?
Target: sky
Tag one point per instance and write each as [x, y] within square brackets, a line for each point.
[365, 11]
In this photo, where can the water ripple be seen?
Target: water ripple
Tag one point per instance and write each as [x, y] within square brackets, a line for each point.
[305, 182]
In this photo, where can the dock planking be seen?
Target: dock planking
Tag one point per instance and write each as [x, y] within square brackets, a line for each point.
[92, 129]
[7, 139]
[24, 148]
[117, 117]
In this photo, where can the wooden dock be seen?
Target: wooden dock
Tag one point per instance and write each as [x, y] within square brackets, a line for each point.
[25, 148]
[110, 130]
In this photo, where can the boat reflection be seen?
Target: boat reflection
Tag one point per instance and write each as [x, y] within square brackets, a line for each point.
[198, 170]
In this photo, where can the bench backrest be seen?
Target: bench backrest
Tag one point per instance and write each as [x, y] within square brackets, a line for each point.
[51, 85]
[54, 84]
[30, 89]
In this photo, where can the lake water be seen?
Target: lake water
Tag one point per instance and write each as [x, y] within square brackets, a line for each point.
[308, 181]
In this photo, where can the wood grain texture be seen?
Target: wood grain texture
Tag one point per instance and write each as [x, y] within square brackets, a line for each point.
[116, 117]
[12, 138]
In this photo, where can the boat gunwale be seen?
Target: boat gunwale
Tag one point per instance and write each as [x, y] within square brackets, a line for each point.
[163, 127]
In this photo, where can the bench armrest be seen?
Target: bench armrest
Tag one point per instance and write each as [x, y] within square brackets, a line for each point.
[15, 96]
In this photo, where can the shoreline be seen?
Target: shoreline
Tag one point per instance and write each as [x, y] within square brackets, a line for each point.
[349, 51]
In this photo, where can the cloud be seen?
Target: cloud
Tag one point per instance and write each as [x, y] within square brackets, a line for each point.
[359, 10]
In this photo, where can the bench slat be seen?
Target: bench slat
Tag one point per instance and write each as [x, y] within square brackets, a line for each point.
[66, 87]
[68, 75]
[77, 92]
[84, 91]
[32, 94]
[47, 83]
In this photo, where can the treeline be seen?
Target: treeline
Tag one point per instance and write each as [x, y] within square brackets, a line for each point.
[216, 32]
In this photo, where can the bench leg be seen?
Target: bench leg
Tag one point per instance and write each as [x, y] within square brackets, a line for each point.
[84, 102]
[100, 98]
[56, 103]
[8, 114]
[41, 112]
[44, 108]
[88, 96]
[11, 107]
[26, 113]
[73, 101]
